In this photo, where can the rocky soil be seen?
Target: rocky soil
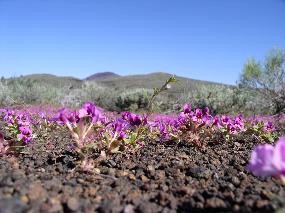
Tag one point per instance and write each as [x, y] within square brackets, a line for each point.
[162, 177]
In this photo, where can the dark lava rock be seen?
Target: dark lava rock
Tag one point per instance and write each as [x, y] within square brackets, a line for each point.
[162, 177]
[199, 172]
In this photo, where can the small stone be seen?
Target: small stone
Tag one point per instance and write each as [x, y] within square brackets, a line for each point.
[215, 203]
[121, 173]
[231, 187]
[150, 168]
[199, 205]
[73, 204]
[112, 172]
[236, 208]
[92, 191]
[111, 163]
[260, 204]
[249, 202]
[55, 205]
[129, 209]
[79, 180]
[144, 178]
[24, 199]
[37, 192]
[160, 175]
[199, 197]
[16, 175]
[132, 177]
[200, 172]
[235, 181]
[8, 190]
[96, 171]
[41, 170]
[265, 194]
[164, 188]
[242, 176]
[187, 190]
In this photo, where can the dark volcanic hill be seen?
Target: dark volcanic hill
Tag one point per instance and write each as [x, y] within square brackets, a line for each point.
[102, 76]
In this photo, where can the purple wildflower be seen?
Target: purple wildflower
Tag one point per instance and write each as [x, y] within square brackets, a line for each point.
[267, 160]
[25, 134]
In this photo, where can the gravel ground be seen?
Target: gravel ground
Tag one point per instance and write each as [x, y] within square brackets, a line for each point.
[162, 177]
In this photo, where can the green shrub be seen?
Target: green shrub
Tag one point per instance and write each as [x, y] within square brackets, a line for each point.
[5, 99]
[268, 78]
[133, 99]
[222, 99]
[90, 91]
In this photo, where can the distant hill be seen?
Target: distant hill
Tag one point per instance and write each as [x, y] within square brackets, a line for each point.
[115, 81]
[154, 80]
[53, 80]
[102, 76]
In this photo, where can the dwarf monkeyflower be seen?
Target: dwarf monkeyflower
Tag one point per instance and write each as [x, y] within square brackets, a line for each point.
[134, 119]
[216, 122]
[122, 136]
[25, 134]
[225, 120]
[269, 127]
[186, 108]
[80, 122]
[267, 160]
[90, 110]
[118, 129]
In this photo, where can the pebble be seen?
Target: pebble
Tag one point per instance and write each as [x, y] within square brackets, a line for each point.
[24, 199]
[121, 173]
[111, 163]
[200, 172]
[235, 181]
[215, 203]
[73, 204]
[129, 209]
[80, 180]
[92, 191]
[41, 170]
[132, 177]
[236, 208]
[112, 172]
[160, 175]
[37, 192]
[261, 203]
[55, 205]
[150, 168]
[144, 178]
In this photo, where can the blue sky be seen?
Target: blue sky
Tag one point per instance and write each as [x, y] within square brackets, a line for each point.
[200, 39]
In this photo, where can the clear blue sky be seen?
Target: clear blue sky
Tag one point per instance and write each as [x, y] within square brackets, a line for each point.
[200, 39]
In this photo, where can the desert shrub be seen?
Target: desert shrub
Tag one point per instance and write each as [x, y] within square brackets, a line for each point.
[133, 99]
[268, 78]
[5, 99]
[90, 91]
[27, 91]
[222, 99]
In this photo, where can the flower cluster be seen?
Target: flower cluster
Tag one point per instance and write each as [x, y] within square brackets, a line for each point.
[91, 125]
[19, 125]
[198, 121]
[129, 130]
[80, 122]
